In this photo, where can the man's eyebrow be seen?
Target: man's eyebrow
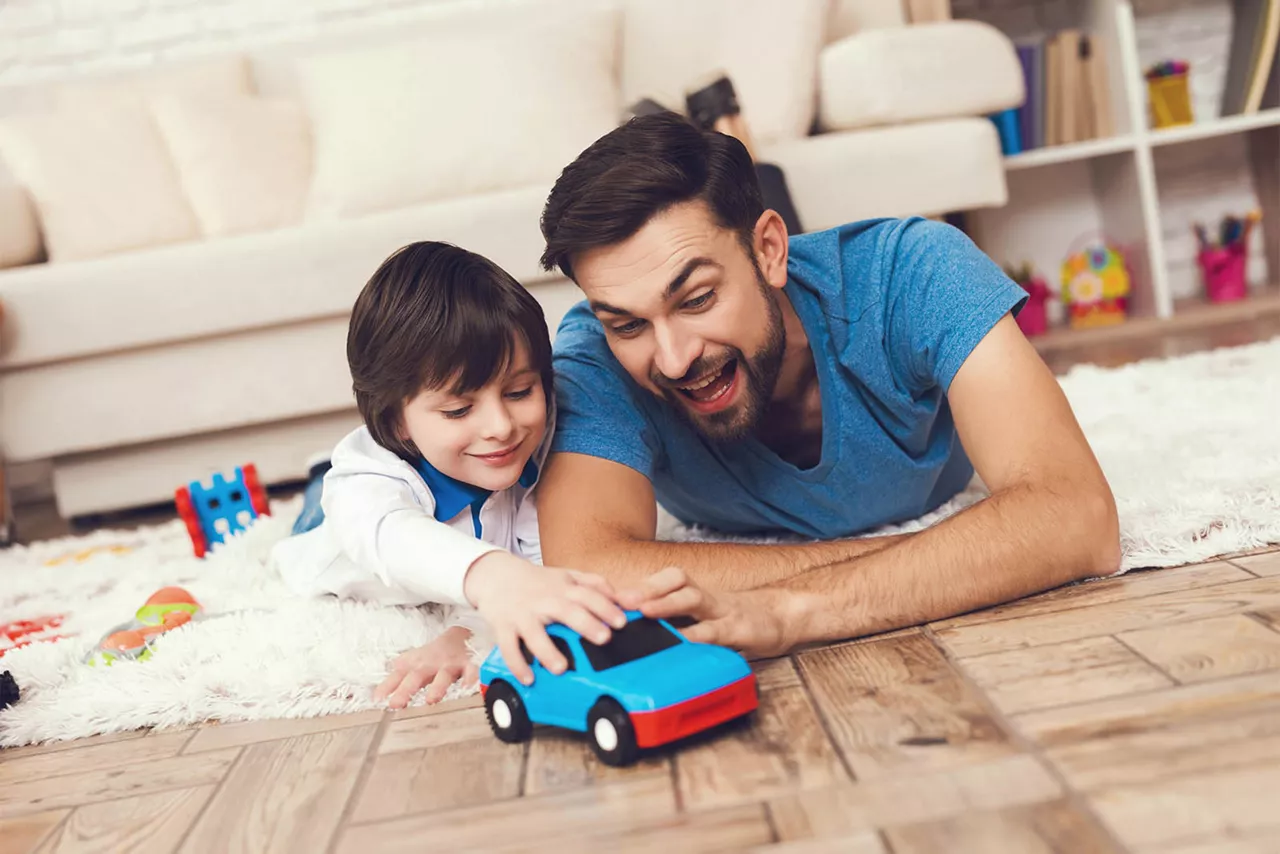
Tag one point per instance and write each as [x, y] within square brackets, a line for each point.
[676, 284]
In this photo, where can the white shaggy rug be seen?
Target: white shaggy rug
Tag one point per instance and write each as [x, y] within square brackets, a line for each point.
[1191, 447]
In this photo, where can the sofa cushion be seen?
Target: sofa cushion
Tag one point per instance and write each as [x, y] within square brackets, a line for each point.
[211, 287]
[854, 16]
[244, 162]
[836, 178]
[906, 74]
[19, 229]
[769, 50]
[492, 99]
[101, 179]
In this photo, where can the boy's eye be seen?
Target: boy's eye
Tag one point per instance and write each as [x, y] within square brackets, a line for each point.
[521, 394]
[460, 412]
[631, 327]
[698, 301]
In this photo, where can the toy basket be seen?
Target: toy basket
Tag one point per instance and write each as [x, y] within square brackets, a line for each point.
[1170, 101]
[1223, 269]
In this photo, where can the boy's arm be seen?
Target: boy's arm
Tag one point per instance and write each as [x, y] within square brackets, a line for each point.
[600, 516]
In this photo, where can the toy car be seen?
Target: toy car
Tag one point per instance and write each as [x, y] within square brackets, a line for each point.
[224, 507]
[645, 687]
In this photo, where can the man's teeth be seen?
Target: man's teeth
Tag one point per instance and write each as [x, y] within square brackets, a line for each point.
[703, 383]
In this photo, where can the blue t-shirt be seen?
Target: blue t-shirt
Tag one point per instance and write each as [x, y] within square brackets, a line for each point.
[892, 309]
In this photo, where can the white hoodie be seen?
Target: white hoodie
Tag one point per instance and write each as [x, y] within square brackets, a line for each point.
[391, 537]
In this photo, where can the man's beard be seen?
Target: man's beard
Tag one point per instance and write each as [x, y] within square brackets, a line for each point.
[759, 375]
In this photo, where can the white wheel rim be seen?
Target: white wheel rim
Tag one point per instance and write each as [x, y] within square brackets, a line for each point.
[502, 714]
[606, 735]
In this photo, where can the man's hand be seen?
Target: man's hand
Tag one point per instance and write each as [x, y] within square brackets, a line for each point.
[519, 599]
[754, 622]
[437, 665]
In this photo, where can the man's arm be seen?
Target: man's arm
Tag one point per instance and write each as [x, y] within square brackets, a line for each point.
[1050, 519]
[598, 515]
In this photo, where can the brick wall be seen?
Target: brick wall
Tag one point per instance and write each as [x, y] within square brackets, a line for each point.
[48, 39]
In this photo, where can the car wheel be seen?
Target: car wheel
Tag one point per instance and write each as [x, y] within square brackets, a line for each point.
[507, 715]
[612, 736]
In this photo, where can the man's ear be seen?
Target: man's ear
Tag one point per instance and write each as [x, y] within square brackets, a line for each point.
[770, 244]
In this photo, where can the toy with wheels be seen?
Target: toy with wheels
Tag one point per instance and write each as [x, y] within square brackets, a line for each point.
[166, 610]
[645, 687]
[222, 508]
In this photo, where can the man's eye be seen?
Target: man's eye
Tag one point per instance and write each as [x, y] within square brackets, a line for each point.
[456, 413]
[698, 301]
[521, 394]
[629, 328]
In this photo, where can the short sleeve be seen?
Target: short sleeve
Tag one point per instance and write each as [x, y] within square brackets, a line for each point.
[943, 295]
[597, 410]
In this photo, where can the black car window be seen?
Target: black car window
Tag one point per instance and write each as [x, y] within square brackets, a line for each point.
[563, 646]
[639, 638]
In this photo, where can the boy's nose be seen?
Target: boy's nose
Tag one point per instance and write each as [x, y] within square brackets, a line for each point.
[498, 423]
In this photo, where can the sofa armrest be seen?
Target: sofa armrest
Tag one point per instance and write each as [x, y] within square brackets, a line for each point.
[907, 74]
[20, 241]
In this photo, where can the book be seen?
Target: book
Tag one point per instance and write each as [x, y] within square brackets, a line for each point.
[1053, 91]
[1031, 58]
[1252, 54]
[1070, 117]
[1097, 88]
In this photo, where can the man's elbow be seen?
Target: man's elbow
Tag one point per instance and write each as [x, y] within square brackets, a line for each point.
[1098, 532]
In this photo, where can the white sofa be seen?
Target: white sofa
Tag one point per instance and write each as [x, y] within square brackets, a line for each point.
[135, 371]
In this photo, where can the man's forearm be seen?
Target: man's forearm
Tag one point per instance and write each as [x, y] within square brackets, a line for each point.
[1013, 544]
[724, 566]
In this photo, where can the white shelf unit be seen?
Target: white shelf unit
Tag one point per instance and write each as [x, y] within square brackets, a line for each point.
[1114, 187]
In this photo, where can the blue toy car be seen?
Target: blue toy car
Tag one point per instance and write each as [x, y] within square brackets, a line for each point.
[645, 687]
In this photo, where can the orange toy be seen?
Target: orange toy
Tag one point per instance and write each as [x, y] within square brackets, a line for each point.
[167, 609]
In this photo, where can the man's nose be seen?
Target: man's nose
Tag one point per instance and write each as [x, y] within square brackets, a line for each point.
[675, 351]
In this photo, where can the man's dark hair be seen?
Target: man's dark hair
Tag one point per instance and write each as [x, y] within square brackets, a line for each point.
[639, 170]
[434, 315]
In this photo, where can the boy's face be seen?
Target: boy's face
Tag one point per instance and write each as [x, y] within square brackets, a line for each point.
[484, 438]
[692, 317]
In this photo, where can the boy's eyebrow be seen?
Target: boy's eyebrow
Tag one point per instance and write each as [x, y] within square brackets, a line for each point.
[673, 287]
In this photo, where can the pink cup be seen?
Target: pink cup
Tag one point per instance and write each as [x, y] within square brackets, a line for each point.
[1223, 271]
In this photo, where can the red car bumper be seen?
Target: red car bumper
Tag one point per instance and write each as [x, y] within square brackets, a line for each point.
[675, 722]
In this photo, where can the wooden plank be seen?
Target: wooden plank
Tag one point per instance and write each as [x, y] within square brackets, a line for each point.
[1169, 752]
[1264, 842]
[1035, 829]
[858, 807]
[1209, 649]
[1180, 705]
[471, 701]
[1131, 585]
[1061, 674]
[723, 830]
[635, 804]
[100, 757]
[252, 732]
[1222, 803]
[104, 784]
[781, 748]
[284, 795]
[776, 673]
[10, 753]
[1270, 619]
[448, 776]
[897, 705]
[867, 842]
[560, 760]
[1263, 565]
[153, 824]
[24, 833]
[1182, 606]
[415, 733]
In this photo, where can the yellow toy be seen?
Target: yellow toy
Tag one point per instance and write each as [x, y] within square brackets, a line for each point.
[1095, 287]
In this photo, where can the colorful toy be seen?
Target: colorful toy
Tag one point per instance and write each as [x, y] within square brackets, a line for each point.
[1033, 319]
[1223, 264]
[645, 687]
[20, 633]
[1095, 286]
[166, 610]
[222, 508]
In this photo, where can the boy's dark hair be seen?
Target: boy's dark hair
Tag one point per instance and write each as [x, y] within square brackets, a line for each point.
[434, 314]
[640, 169]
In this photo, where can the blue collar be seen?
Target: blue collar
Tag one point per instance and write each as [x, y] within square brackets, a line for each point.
[453, 496]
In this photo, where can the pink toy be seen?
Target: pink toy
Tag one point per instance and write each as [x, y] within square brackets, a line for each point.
[1033, 319]
[1223, 269]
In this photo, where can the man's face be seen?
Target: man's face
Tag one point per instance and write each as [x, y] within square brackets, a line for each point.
[690, 316]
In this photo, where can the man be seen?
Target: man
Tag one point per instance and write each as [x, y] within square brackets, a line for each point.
[821, 386]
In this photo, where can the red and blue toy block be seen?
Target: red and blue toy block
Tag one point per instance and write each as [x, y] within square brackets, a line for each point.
[224, 507]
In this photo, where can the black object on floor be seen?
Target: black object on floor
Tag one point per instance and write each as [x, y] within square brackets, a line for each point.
[8, 690]
[773, 188]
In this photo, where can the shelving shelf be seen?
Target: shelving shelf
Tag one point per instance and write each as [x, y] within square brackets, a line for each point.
[1116, 187]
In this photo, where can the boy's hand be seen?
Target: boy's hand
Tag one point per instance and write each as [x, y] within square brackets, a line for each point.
[519, 599]
[437, 665]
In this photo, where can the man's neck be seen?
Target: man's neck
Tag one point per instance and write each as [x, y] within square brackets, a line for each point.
[792, 424]
[798, 372]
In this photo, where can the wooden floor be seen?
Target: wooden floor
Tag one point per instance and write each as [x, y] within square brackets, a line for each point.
[1135, 714]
